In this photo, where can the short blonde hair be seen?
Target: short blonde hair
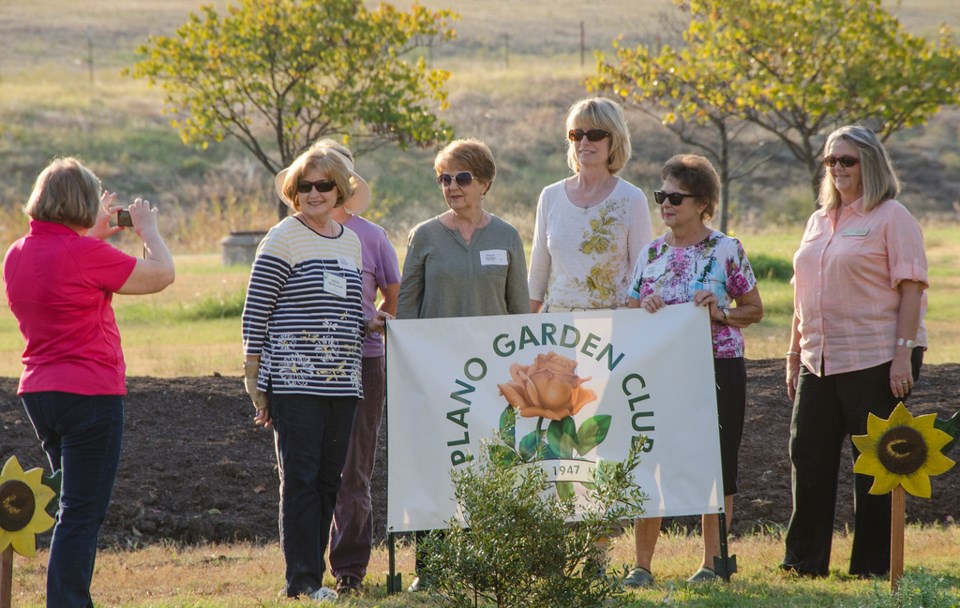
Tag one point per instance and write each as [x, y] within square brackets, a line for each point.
[66, 193]
[325, 160]
[698, 176]
[877, 175]
[473, 154]
[600, 113]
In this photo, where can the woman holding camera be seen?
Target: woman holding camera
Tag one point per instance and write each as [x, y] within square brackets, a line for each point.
[60, 279]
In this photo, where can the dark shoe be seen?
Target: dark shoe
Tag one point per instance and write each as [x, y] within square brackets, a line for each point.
[638, 577]
[703, 575]
[349, 584]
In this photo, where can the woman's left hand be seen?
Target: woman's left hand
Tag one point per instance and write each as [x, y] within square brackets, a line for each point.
[704, 297]
[378, 322]
[901, 374]
[101, 228]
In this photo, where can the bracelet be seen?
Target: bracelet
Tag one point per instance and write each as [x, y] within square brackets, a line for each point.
[790, 353]
[725, 315]
[906, 342]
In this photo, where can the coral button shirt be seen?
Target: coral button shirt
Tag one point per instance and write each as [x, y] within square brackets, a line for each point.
[845, 285]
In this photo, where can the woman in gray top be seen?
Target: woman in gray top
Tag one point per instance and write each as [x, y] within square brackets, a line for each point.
[466, 261]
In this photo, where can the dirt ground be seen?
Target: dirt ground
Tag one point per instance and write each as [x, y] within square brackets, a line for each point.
[195, 468]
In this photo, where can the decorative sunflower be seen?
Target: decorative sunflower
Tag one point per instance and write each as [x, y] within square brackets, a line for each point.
[902, 450]
[23, 501]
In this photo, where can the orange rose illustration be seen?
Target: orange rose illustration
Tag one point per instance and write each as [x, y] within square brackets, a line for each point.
[548, 388]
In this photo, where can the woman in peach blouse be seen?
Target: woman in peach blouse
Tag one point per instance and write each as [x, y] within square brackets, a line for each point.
[856, 344]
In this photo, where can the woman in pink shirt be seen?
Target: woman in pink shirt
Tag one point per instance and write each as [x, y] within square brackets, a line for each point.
[856, 344]
[60, 279]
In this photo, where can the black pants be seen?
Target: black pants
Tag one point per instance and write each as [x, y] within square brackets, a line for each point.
[827, 410]
[312, 434]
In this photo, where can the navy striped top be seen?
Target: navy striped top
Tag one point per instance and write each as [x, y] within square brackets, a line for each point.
[303, 312]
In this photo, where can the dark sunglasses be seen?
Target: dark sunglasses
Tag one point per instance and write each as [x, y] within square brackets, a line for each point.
[675, 198]
[324, 185]
[591, 134]
[463, 179]
[845, 161]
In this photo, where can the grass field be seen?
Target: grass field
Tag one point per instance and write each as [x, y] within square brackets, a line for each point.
[230, 576]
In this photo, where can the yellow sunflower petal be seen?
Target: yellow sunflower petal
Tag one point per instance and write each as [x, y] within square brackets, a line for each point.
[936, 439]
[917, 484]
[24, 542]
[884, 482]
[865, 443]
[924, 422]
[876, 425]
[937, 463]
[41, 522]
[867, 462]
[12, 469]
[900, 416]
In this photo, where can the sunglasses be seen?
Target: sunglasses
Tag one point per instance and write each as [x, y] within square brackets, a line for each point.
[590, 134]
[463, 179]
[675, 198]
[845, 161]
[324, 185]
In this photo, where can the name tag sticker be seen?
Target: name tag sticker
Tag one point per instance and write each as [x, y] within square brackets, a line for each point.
[855, 232]
[346, 262]
[335, 284]
[493, 257]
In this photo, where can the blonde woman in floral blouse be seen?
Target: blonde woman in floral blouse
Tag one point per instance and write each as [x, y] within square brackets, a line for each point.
[691, 262]
[591, 226]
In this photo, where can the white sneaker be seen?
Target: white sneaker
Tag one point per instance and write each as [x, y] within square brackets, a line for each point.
[323, 594]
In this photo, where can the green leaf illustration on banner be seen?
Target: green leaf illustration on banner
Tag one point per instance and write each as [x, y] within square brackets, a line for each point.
[565, 490]
[503, 455]
[531, 445]
[592, 432]
[508, 426]
[562, 437]
[588, 485]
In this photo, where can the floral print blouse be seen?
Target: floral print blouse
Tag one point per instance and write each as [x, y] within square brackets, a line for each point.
[717, 263]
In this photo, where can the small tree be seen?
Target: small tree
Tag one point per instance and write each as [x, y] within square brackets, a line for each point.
[517, 548]
[676, 89]
[279, 74]
[801, 68]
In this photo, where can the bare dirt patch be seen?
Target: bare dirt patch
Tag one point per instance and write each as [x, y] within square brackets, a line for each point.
[194, 468]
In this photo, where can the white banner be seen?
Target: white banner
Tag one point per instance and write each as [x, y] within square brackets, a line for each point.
[583, 384]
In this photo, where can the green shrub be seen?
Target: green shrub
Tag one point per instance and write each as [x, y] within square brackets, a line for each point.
[771, 268]
[517, 548]
[916, 589]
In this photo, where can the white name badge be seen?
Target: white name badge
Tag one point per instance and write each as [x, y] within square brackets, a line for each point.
[346, 262]
[493, 257]
[335, 284]
[856, 232]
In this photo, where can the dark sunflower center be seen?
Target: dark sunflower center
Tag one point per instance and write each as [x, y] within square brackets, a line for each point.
[902, 450]
[17, 505]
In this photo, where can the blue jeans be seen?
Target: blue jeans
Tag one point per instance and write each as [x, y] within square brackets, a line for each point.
[312, 434]
[82, 436]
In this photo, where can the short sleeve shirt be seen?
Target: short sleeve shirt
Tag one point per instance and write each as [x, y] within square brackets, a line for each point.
[60, 288]
[846, 278]
[718, 264]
